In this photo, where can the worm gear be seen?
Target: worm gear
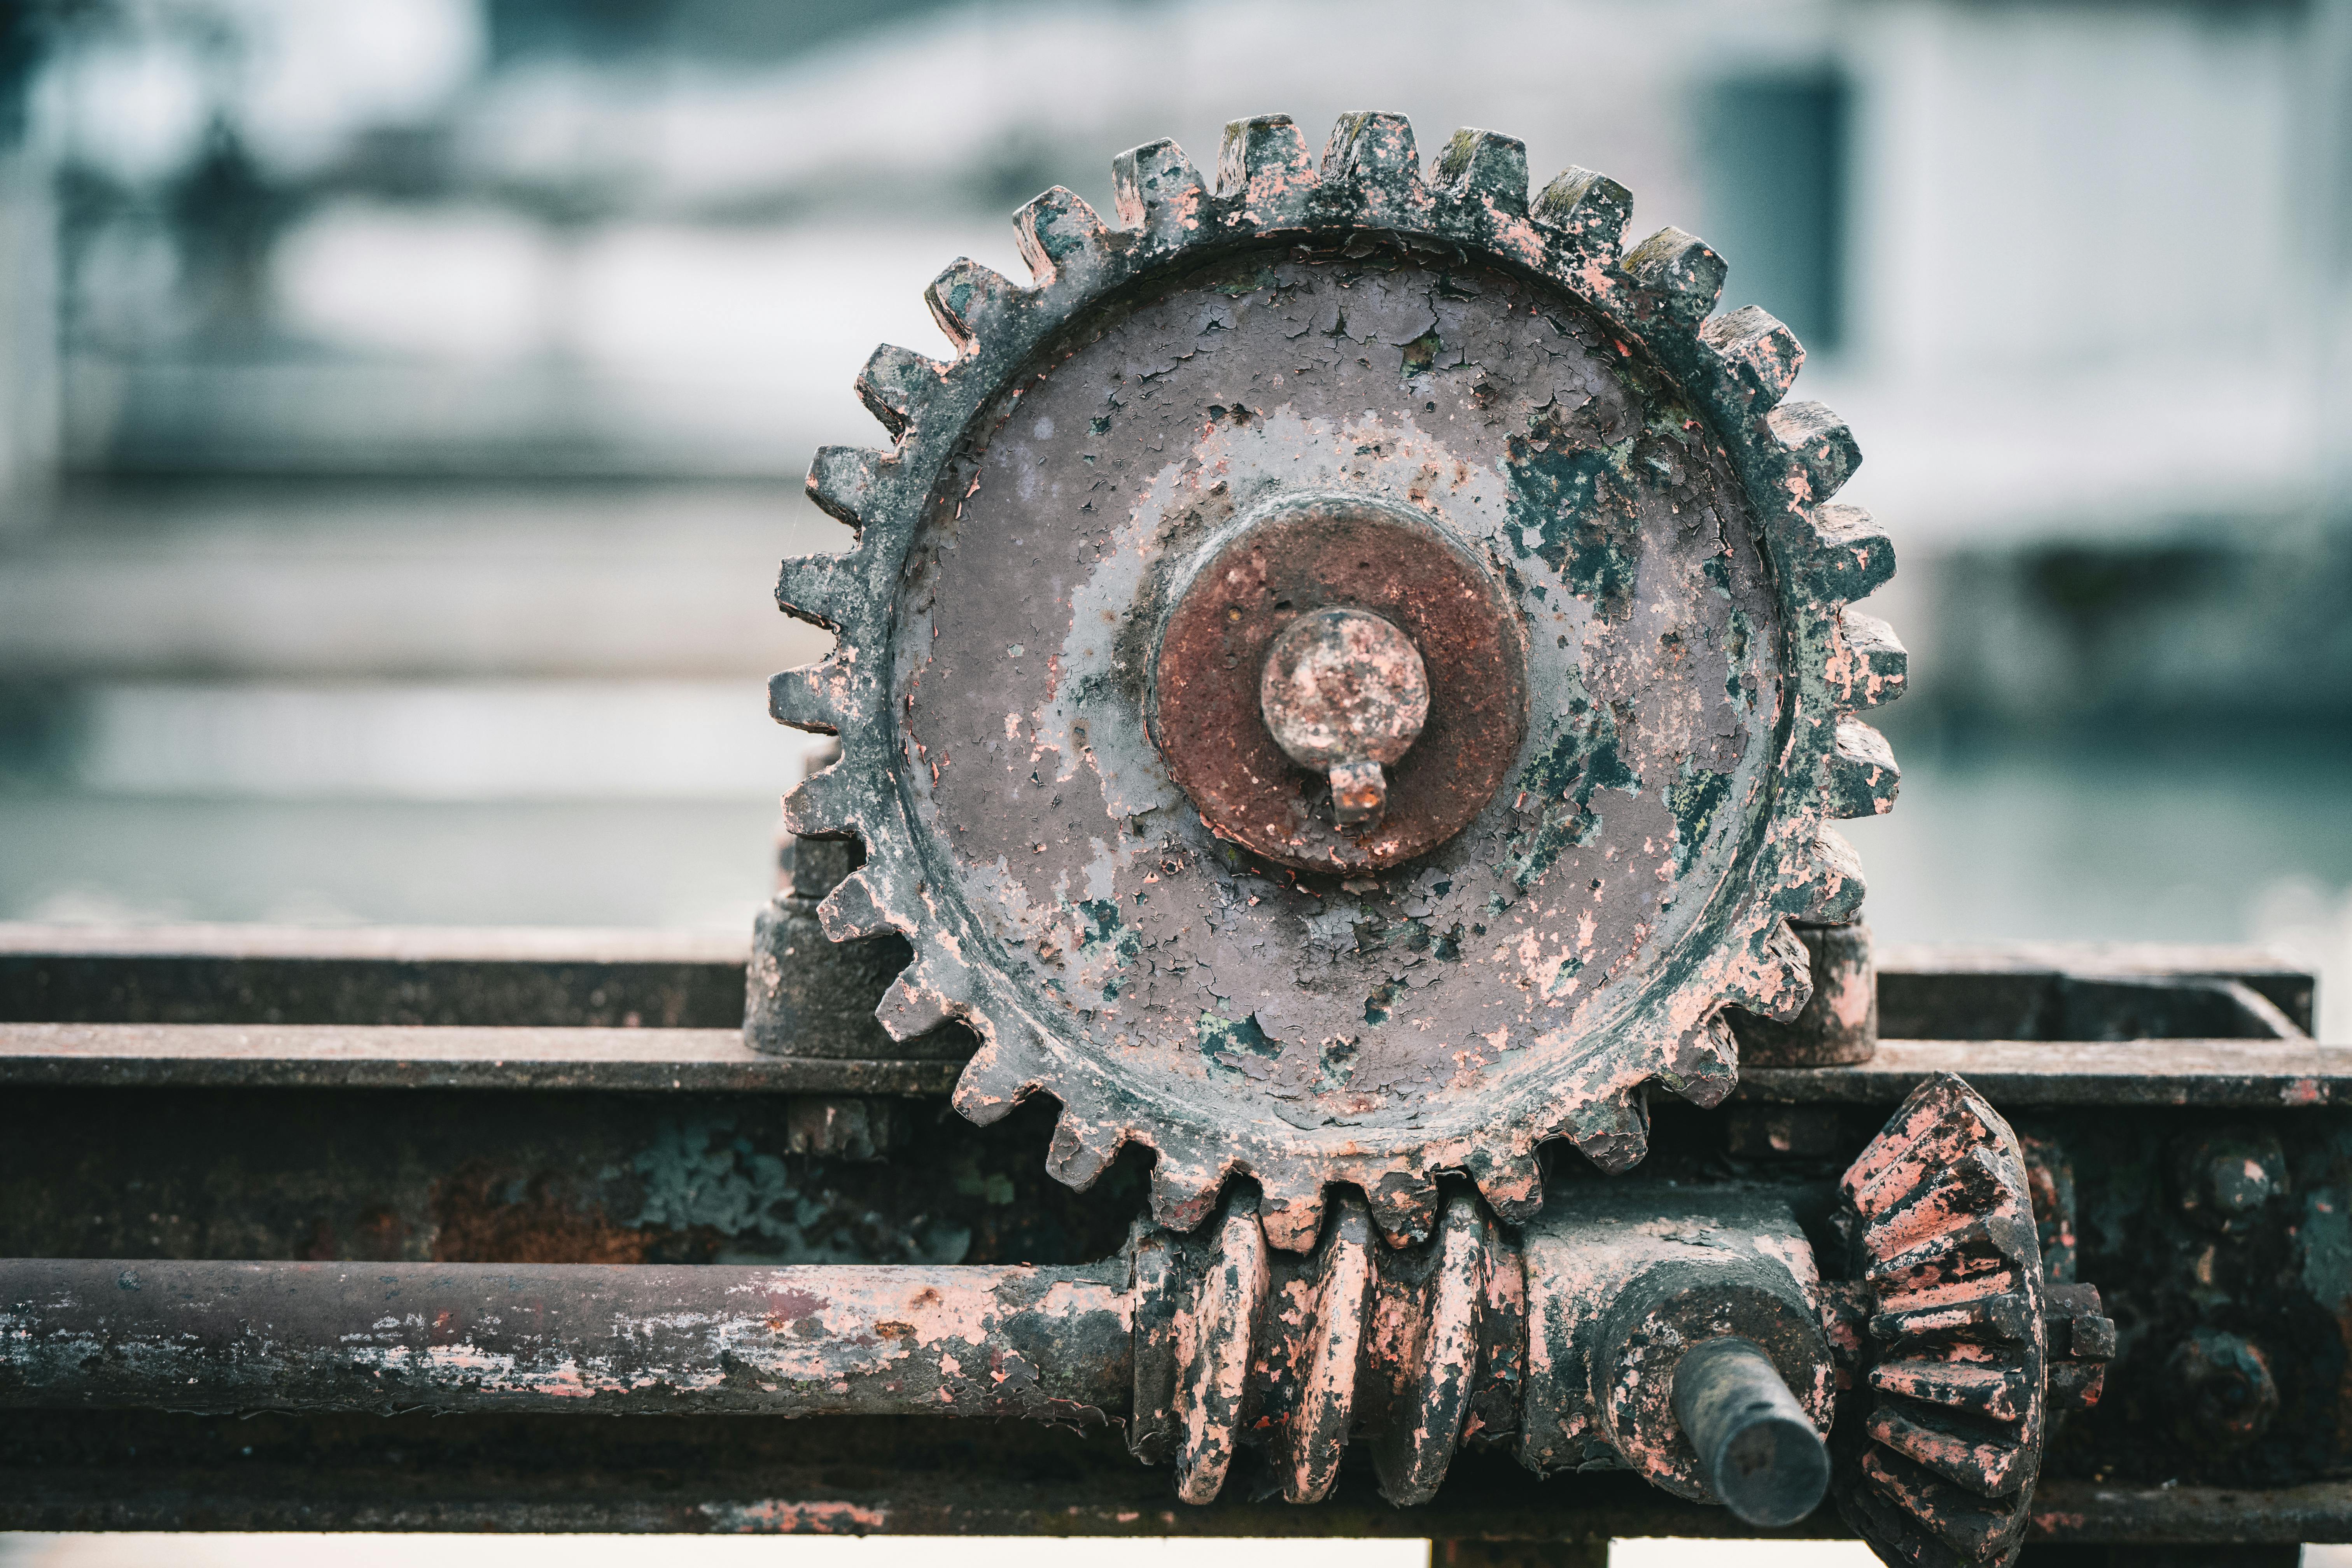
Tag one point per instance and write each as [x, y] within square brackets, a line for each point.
[1426, 400]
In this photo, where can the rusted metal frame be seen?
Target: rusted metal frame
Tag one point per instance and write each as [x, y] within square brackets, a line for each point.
[336, 1056]
[243, 975]
[944, 1478]
[2038, 990]
[68, 1470]
[232, 974]
[2213, 1074]
[2218, 1073]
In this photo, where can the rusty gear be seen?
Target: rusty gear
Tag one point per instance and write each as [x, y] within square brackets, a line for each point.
[1562, 416]
[1953, 1296]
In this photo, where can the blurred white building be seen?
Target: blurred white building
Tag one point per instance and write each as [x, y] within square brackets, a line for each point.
[2070, 270]
[430, 382]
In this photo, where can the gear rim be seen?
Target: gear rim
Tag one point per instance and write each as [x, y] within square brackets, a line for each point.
[1789, 458]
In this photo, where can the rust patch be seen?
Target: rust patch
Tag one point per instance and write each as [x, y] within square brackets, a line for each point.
[1219, 711]
[482, 1214]
[1940, 1210]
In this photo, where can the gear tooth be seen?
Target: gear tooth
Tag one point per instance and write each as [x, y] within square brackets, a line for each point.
[1833, 880]
[813, 698]
[1481, 166]
[1681, 275]
[1370, 157]
[930, 992]
[1614, 1132]
[1060, 237]
[1589, 210]
[895, 386]
[1855, 558]
[824, 806]
[1000, 1075]
[1291, 1212]
[827, 591]
[1264, 161]
[1869, 667]
[1405, 1205]
[857, 908]
[842, 480]
[1159, 193]
[1772, 979]
[1703, 1064]
[1863, 779]
[1184, 1185]
[1512, 1184]
[1760, 356]
[966, 297]
[1820, 442]
[1082, 1149]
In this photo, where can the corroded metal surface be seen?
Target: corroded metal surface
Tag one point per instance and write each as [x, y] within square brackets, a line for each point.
[368, 975]
[883, 1476]
[1345, 694]
[1209, 1345]
[1208, 703]
[1562, 409]
[807, 997]
[2252, 1073]
[216, 975]
[1643, 1275]
[1839, 1024]
[1759, 1451]
[2216, 1332]
[516, 1057]
[1048, 1343]
[1952, 1401]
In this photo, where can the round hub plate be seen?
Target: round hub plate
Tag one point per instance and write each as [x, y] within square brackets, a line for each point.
[1306, 553]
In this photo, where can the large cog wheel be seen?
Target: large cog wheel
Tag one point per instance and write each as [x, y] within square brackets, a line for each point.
[1421, 398]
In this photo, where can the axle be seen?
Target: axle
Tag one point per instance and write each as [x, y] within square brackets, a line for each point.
[1198, 1344]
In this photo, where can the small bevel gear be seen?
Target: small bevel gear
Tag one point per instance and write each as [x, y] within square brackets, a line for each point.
[1435, 415]
[1940, 1221]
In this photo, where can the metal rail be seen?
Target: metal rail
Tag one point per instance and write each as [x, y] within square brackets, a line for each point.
[2217, 1073]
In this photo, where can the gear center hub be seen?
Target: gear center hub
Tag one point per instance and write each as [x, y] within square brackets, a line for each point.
[1345, 634]
[1344, 693]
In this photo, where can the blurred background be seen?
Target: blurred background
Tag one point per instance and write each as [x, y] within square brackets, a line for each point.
[403, 407]
[404, 403]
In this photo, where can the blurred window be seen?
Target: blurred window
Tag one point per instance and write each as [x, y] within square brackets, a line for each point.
[1774, 165]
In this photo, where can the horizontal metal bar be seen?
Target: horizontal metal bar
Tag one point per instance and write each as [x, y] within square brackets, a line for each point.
[384, 944]
[260, 975]
[497, 977]
[2246, 1073]
[333, 1056]
[1023, 1481]
[830, 1340]
[1049, 1483]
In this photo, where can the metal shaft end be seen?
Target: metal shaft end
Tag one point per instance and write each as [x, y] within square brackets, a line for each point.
[1344, 693]
[1757, 1447]
[1360, 791]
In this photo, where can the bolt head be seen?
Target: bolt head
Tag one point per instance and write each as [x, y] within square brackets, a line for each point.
[1343, 687]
